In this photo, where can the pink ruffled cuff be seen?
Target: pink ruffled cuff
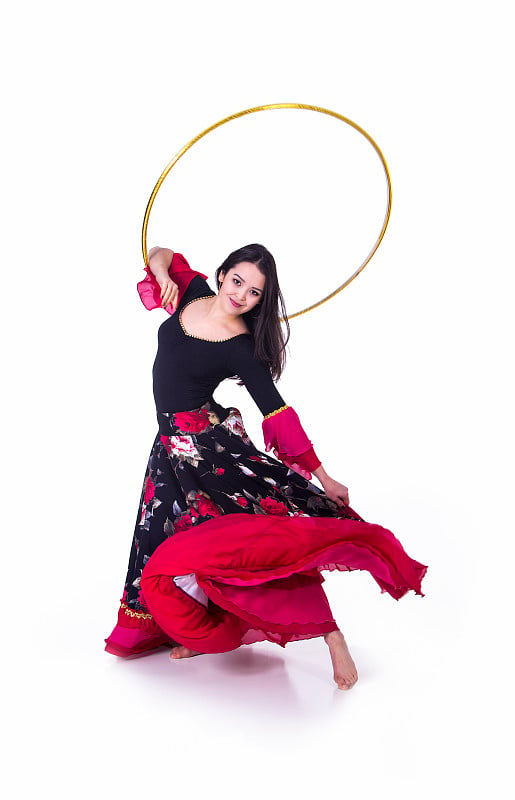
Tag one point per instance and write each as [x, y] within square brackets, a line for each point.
[285, 436]
[180, 272]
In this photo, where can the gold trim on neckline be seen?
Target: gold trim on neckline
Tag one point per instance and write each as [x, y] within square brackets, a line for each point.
[200, 338]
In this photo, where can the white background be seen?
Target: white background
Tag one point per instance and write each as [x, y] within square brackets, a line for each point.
[402, 382]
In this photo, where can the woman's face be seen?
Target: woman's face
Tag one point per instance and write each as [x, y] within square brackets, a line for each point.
[242, 288]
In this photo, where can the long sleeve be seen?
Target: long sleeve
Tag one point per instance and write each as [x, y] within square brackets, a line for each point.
[179, 271]
[282, 429]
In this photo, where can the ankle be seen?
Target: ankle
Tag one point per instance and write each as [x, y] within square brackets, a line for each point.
[333, 634]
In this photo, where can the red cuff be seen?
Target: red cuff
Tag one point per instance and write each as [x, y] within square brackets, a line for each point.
[308, 462]
[179, 271]
[284, 434]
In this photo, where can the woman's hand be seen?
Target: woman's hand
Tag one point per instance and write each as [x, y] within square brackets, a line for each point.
[335, 491]
[169, 290]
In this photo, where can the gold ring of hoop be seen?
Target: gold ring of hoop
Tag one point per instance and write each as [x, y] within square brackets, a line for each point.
[272, 106]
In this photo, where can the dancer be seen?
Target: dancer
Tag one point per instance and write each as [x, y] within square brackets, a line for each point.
[230, 542]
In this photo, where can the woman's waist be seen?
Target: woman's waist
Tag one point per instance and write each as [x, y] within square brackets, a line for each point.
[192, 420]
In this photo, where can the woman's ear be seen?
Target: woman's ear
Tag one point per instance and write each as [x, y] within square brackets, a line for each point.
[221, 276]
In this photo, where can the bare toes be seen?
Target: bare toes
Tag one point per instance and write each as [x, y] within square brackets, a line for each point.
[182, 652]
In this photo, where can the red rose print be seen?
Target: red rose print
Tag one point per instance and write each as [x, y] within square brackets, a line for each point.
[273, 507]
[166, 441]
[241, 502]
[207, 508]
[149, 490]
[191, 422]
[220, 471]
[182, 524]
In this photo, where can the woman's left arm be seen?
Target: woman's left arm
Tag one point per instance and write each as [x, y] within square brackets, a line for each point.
[282, 429]
[284, 433]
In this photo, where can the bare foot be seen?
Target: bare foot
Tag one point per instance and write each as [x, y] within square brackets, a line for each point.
[179, 651]
[345, 672]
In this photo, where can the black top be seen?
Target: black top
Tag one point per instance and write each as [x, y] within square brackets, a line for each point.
[188, 369]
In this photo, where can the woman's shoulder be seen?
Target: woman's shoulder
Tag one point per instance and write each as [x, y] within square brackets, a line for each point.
[197, 287]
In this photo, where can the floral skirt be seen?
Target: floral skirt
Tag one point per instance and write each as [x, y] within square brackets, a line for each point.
[229, 544]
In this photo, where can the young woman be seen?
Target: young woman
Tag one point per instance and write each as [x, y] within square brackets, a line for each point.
[230, 542]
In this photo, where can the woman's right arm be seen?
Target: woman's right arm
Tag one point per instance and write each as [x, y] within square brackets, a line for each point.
[159, 261]
[168, 276]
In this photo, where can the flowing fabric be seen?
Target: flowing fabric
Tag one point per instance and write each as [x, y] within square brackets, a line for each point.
[229, 544]
[263, 575]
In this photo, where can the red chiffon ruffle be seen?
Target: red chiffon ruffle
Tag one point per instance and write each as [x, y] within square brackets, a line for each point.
[262, 575]
[285, 436]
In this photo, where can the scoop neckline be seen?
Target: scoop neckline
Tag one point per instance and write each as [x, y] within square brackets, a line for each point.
[200, 338]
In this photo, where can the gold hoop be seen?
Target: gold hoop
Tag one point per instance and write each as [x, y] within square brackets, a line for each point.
[267, 108]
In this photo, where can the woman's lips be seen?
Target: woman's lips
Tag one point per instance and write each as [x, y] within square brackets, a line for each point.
[236, 305]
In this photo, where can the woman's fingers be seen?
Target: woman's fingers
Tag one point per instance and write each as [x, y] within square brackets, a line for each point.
[342, 499]
[337, 492]
[169, 293]
[173, 298]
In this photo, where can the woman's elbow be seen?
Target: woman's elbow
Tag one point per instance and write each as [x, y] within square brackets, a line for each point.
[160, 256]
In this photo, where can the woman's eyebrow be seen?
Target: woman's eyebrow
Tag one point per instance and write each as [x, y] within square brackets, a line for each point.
[244, 281]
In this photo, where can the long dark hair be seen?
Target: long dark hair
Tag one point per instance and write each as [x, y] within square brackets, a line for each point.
[263, 320]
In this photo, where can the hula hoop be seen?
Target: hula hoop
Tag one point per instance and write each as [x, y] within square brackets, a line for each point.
[270, 107]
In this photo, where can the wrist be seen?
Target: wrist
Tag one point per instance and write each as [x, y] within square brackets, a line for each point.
[321, 474]
[161, 275]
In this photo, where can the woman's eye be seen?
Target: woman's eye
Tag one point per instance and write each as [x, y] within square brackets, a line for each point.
[236, 281]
